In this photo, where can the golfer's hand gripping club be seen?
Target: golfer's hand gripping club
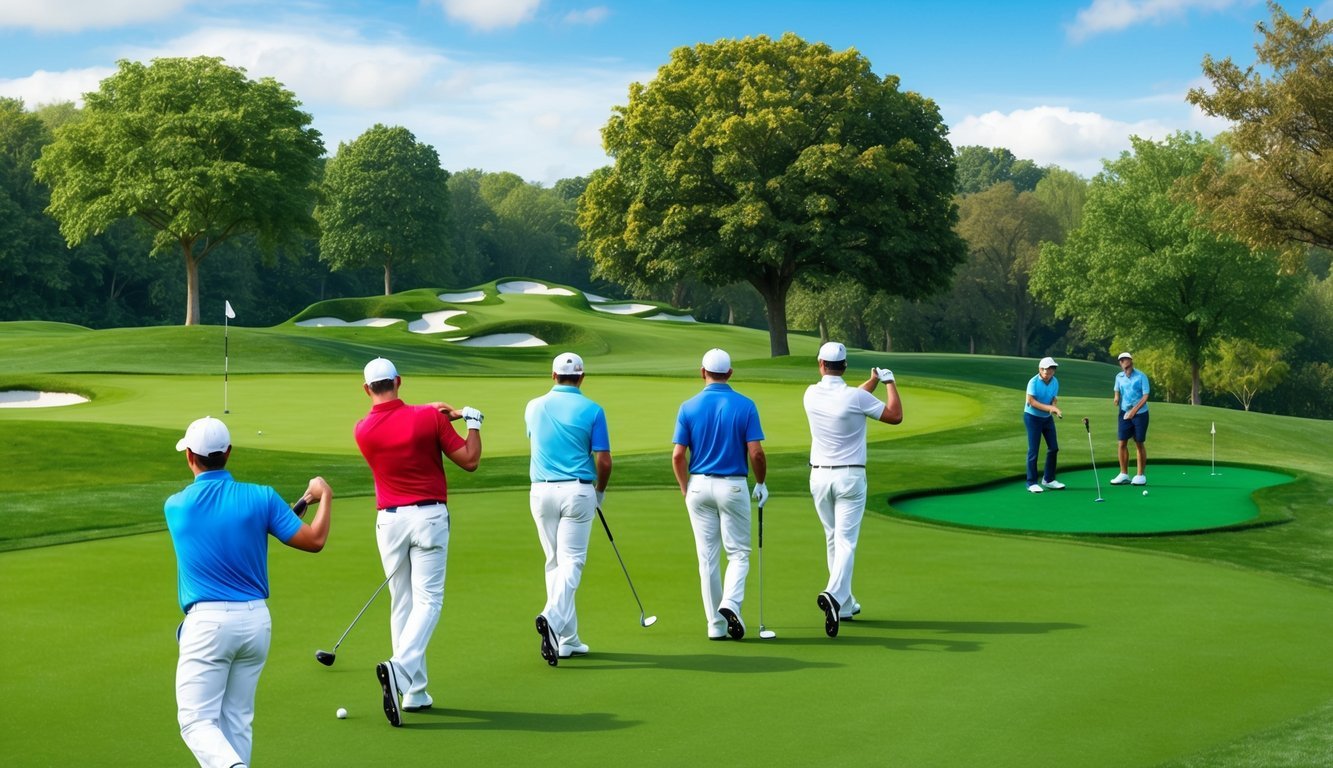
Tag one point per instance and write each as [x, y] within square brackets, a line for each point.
[884, 374]
[472, 417]
[760, 494]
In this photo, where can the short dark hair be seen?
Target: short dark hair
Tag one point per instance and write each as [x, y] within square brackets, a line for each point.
[835, 366]
[383, 386]
[214, 460]
[568, 379]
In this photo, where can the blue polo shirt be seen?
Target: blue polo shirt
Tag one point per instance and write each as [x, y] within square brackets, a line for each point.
[220, 530]
[1131, 389]
[715, 425]
[564, 428]
[1043, 393]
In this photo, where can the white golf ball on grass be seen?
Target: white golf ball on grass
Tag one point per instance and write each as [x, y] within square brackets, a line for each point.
[342, 713]
[1145, 493]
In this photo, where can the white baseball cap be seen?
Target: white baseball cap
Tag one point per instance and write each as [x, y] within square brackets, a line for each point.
[380, 369]
[1048, 362]
[1124, 355]
[717, 361]
[205, 436]
[567, 364]
[833, 352]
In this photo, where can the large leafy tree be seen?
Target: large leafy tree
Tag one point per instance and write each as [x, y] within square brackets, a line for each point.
[386, 203]
[763, 160]
[192, 148]
[1278, 186]
[980, 168]
[1140, 267]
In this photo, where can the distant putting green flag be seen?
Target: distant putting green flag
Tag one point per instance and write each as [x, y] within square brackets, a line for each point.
[1213, 430]
[231, 313]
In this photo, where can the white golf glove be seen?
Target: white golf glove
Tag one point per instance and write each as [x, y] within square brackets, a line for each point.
[760, 493]
[884, 374]
[472, 418]
[601, 496]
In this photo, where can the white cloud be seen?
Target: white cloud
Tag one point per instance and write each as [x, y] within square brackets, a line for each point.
[43, 87]
[1077, 141]
[1115, 15]
[589, 16]
[487, 15]
[76, 15]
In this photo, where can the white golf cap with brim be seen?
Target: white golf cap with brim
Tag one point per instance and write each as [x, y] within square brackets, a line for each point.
[380, 369]
[567, 364]
[1048, 362]
[833, 352]
[716, 361]
[205, 436]
[1125, 356]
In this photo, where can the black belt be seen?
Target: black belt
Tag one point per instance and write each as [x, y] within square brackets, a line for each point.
[566, 480]
[724, 477]
[837, 466]
[422, 503]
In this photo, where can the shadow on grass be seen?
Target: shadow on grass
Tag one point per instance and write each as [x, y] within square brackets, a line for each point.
[697, 662]
[852, 634]
[487, 720]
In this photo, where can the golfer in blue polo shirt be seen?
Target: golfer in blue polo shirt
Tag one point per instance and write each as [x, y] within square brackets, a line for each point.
[569, 469]
[1039, 413]
[1130, 394]
[719, 430]
[220, 531]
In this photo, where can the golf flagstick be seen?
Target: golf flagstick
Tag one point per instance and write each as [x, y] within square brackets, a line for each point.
[1093, 456]
[764, 632]
[1213, 431]
[227, 314]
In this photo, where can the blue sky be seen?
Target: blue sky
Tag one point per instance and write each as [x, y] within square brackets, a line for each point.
[525, 85]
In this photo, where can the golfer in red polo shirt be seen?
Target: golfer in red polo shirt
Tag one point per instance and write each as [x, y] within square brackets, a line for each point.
[403, 444]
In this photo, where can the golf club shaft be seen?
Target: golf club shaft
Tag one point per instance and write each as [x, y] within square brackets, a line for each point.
[616, 549]
[378, 589]
[761, 568]
[1092, 455]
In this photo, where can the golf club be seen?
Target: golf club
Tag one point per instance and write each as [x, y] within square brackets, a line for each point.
[328, 657]
[646, 621]
[1093, 456]
[299, 506]
[764, 632]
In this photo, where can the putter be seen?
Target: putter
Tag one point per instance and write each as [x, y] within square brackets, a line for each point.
[1093, 456]
[764, 632]
[646, 621]
[328, 657]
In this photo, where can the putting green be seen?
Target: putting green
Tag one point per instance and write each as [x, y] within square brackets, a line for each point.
[1179, 498]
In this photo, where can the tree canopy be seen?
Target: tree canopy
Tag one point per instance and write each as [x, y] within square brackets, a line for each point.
[1141, 268]
[763, 160]
[980, 168]
[386, 203]
[192, 148]
[1278, 186]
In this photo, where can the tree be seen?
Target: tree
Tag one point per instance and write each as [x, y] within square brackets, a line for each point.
[1141, 268]
[1243, 369]
[386, 203]
[195, 150]
[1063, 194]
[763, 160]
[1278, 186]
[980, 168]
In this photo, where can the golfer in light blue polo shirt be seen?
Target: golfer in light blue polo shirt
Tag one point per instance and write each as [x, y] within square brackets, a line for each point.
[1039, 414]
[1130, 393]
[569, 469]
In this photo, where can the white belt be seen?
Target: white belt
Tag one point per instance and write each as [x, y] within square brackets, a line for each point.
[226, 605]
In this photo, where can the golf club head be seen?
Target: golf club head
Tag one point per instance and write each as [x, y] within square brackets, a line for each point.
[1099, 498]
[325, 658]
[649, 621]
[767, 634]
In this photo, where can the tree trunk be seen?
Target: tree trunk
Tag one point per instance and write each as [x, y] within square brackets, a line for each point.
[775, 308]
[888, 341]
[1195, 394]
[678, 292]
[388, 280]
[191, 285]
[823, 331]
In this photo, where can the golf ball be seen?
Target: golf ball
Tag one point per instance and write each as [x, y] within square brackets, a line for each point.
[261, 432]
[1145, 493]
[342, 713]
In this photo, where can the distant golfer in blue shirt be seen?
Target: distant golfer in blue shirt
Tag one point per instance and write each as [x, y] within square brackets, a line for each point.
[1131, 397]
[719, 430]
[1039, 414]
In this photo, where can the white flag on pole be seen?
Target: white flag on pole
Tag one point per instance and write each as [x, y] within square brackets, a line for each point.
[231, 313]
[1213, 430]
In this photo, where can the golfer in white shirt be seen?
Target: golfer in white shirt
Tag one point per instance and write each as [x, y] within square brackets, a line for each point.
[837, 415]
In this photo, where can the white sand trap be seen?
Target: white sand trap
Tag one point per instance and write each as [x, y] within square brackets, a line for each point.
[504, 340]
[625, 309]
[594, 298]
[672, 318]
[27, 398]
[527, 286]
[333, 322]
[434, 322]
[463, 298]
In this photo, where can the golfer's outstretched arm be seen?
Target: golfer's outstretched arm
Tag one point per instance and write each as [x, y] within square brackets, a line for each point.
[312, 536]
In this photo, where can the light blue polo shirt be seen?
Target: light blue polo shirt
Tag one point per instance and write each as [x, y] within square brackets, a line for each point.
[220, 530]
[715, 425]
[1043, 393]
[1131, 389]
[564, 428]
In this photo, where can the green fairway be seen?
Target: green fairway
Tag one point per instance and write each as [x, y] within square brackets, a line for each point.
[1182, 498]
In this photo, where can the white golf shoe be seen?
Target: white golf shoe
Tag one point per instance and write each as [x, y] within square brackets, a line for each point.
[1034, 488]
[1120, 479]
[575, 648]
[1139, 480]
[1054, 485]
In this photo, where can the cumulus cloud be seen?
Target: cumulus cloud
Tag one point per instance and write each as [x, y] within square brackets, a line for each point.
[488, 15]
[589, 16]
[1077, 141]
[1114, 15]
[77, 15]
[42, 87]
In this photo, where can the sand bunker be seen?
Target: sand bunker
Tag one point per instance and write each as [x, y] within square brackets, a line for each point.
[331, 322]
[594, 298]
[463, 298]
[434, 322]
[26, 398]
[503, 340]
[625, 309]
[526, 286]
[672, 318]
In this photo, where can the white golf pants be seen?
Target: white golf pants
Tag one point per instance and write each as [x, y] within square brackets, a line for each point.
[840, 501]
[719, 510]
[223, 647]
[414, 549]
[563, 513]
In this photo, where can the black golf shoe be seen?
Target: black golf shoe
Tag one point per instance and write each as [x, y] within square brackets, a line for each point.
[830, 607]
[389, 685]
[550, 643]
[734, 626]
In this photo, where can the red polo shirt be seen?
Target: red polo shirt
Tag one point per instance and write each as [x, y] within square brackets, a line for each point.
[403, 445]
